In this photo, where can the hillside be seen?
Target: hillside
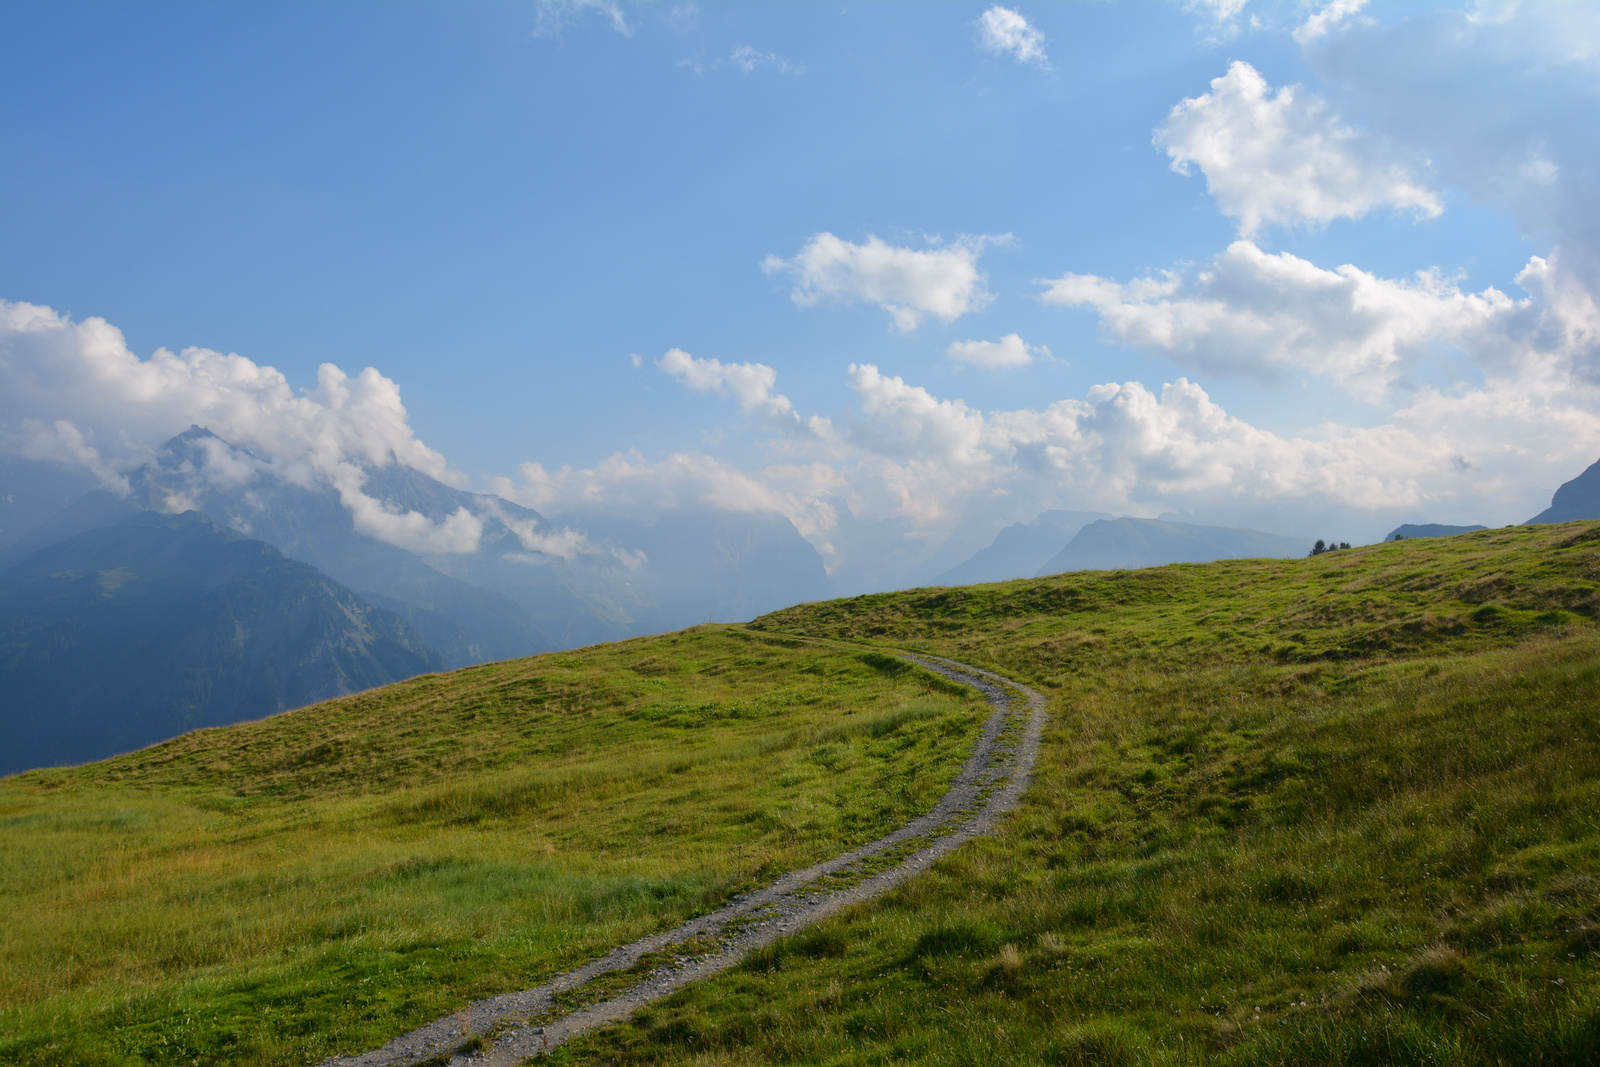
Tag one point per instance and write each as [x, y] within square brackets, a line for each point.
[277, 891]
[1330, 810]
[136, 632]
[1305, 811]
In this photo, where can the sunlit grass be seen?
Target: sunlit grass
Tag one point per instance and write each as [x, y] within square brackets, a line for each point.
[1342, 810]
[277, 891]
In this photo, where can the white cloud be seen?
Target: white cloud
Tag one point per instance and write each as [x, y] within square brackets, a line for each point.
[458, 532]
[1003, 31]
[63, 442]
[908, 422]
[908, 283]
[554, 16]
[1328, 18]
[751, 384]
[1219, 19]
[1259, 314]
[546, 542]
[749, 59]
[1283, 158]
[1009, 351]
[923, 467]
[74, 391]
[1217, 10]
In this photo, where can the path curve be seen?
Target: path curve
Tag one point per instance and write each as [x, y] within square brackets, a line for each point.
[505, 1030]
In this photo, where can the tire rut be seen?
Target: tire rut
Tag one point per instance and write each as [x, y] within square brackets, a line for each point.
[515, 1027]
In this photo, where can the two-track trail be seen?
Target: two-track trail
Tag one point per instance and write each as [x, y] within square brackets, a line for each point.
[508, 1029]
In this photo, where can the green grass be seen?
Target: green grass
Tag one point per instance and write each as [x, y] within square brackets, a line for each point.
[317, 882]
[1341, 810]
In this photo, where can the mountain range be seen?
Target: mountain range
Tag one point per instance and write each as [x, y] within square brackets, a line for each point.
[1021, 549]
[117, 603]
[1113, 544]
[527, 584]
[215, 586]
[128, 634]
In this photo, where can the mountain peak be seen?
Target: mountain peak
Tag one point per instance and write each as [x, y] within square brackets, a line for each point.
[1577, 499]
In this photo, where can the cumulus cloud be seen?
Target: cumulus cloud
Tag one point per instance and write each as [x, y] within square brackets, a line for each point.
[926, 467]
[75, 392]
[1005, 32]
[908, 422]
[1326, 19]
[748, 383]
[908, 283]
[1009, 351]
[1282, 157]
[1260, 314]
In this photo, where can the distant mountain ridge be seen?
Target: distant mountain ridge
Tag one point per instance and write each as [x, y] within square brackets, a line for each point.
[531, 585]
[1020, 549]
[125, 635]
[1118, 544]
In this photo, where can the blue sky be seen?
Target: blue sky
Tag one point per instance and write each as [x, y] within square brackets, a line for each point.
[498, 205]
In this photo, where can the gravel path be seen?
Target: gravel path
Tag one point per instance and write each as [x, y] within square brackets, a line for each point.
[516, 1026]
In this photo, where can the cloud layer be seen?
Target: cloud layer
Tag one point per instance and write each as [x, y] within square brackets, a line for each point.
[76, 394]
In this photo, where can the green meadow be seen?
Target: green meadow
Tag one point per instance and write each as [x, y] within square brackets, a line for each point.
[1339, 810]
[317, 882]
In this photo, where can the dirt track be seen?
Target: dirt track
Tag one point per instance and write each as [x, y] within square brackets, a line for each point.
[515, 1026]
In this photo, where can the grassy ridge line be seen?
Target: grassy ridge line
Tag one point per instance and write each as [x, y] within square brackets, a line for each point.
[274, 891]
[1388, 600]
[1339, 810]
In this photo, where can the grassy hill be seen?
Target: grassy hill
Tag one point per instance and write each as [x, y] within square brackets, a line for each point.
[277, 891]
[1334, 810]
